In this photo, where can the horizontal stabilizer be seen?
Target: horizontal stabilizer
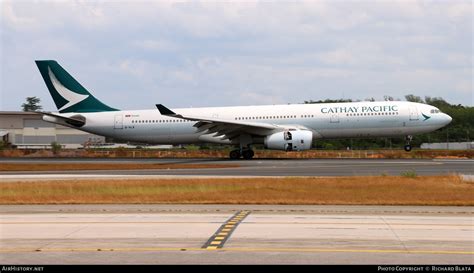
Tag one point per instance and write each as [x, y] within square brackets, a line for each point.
[75, 121]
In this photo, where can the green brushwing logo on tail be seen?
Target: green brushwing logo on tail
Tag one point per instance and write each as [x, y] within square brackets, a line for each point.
[68, 94]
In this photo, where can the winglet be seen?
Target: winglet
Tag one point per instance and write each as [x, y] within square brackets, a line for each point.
[165, 111]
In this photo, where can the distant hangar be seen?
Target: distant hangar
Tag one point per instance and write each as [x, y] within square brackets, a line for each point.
[28, 130]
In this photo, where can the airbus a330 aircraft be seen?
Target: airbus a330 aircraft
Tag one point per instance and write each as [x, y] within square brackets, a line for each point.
[279, 127]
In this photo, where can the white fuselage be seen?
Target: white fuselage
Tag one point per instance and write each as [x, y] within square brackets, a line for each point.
[326, 120]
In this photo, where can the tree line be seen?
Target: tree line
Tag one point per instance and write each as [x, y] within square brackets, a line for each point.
[459, 130]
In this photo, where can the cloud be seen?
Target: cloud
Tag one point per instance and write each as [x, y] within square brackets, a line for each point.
[239, 53]
[11, 18]
[156, 45]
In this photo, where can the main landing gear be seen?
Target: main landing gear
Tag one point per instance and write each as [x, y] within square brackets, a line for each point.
[407, 146]
[245, 153]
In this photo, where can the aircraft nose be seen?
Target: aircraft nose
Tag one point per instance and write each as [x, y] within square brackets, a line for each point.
[447, 119]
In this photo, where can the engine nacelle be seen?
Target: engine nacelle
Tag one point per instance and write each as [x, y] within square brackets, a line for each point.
[296, 140]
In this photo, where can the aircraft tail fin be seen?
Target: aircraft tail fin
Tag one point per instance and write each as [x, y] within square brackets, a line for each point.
[68, 94]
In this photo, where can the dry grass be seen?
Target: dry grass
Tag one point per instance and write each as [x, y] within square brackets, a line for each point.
[385, 190]
[103, 166]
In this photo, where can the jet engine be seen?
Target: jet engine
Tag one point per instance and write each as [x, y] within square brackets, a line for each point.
[290, 140]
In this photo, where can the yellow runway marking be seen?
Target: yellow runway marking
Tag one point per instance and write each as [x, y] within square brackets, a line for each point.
[349, 223]
[134, 222]
[17, 250]
[225, 230]
[350, 250]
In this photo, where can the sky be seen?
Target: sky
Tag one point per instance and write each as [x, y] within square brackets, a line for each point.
[135, 54]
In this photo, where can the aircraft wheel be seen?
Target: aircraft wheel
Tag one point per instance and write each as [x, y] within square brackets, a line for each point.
[248, 154]
[235, 154]
[407, 148]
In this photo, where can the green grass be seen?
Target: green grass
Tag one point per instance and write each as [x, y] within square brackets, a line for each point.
[409, 174]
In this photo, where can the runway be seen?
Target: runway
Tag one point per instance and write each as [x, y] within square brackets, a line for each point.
[267, 167]
[235, 234]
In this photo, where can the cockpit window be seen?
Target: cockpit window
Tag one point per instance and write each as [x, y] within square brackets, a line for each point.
[435, 111]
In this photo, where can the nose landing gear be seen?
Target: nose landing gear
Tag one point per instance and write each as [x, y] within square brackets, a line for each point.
[407, 146]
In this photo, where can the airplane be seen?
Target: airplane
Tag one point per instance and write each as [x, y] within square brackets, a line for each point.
[292, 127]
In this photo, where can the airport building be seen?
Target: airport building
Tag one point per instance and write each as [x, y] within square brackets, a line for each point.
[28, 130]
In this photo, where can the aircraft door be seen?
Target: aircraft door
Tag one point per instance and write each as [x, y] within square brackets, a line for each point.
[288, 137]
[118, 122]
[413, 112]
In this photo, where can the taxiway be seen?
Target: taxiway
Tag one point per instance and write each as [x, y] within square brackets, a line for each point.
[182, 234]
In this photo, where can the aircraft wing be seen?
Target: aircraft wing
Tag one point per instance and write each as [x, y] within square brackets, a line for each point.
[228, 129]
